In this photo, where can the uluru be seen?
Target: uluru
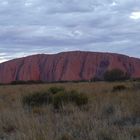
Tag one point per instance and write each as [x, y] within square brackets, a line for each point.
[67, 66]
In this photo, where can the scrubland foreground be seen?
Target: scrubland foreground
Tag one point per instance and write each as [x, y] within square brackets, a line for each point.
[106, 111]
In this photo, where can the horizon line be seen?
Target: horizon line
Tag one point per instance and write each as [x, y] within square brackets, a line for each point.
[70, 51]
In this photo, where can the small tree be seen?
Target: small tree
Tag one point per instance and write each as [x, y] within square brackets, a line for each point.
[115, 75]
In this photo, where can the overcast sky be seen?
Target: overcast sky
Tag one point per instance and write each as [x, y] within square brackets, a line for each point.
[50, 26]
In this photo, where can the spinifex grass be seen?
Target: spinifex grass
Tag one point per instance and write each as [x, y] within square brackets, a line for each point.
[107, 116]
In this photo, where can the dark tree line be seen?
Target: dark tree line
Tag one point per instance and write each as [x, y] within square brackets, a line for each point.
[116, 75]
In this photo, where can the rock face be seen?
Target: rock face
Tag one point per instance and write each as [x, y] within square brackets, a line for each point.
[67, 66]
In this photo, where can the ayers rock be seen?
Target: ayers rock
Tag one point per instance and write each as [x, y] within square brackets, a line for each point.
[67, 66]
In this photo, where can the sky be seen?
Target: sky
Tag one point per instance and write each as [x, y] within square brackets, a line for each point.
[50, 26]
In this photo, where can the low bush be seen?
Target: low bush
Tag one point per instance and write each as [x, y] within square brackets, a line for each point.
[69, 97]
[55, 96]
[119, 88]
[37, 99]
[78, 98]
[55, 90]
[115, 75]
[59, 99]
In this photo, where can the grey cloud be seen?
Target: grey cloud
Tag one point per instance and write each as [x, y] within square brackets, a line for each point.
[56, 25]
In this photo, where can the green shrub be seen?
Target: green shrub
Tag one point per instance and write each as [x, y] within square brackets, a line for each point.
[55, 90]
[55, 96]
[59, 99]
[78, 98]
[119, 88]
[37, 99]
[69, 97]
[115, 75]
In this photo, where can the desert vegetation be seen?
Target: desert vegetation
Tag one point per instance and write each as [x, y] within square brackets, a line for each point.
[116, 75]
[57, 96]
[70, 111]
